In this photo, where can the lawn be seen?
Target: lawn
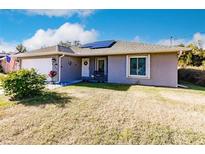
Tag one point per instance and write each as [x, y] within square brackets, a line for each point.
[100, 113]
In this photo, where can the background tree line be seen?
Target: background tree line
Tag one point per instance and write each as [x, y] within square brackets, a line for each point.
[195, 57]
[192, 66]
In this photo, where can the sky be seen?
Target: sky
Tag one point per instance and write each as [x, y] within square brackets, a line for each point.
[41, 28]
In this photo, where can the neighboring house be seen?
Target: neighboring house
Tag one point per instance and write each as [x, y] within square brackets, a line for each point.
[9, 63]
[109, 61]
[2, 55]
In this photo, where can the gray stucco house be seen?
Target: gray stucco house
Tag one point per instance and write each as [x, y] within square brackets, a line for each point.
[117, 62]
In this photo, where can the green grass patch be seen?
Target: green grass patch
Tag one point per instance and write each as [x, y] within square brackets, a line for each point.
[110, 86]
[193, 87]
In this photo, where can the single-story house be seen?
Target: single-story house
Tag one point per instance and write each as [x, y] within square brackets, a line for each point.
[109, 61]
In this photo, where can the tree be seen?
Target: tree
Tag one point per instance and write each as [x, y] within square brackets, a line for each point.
[181, 45]
[195, 57]
[65, 44]
[20, 48]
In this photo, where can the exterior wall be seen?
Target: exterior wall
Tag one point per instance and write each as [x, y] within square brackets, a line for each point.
[163, 70]
[54, 64]
[92, 66]
[55, 67]
[70, 69]
[93, 63]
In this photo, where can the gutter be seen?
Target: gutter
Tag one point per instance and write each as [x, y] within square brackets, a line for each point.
[59, 68]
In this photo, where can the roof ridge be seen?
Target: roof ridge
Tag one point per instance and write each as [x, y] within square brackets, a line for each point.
[42, 48]
[144, 43]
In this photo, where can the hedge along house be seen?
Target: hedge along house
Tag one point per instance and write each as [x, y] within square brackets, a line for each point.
[107, 61]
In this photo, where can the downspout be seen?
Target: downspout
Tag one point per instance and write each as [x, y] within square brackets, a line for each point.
[59, 68]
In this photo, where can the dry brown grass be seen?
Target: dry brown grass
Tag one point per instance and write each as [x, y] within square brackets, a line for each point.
[109, 114]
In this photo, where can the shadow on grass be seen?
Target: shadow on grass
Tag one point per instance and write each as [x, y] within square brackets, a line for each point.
[111, 86]
[59, 99]
[192, 86]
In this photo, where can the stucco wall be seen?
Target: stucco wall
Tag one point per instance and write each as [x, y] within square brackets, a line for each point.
[92, 64]
[70, 69]
[54, 63]
[163, 70]
[55, 67]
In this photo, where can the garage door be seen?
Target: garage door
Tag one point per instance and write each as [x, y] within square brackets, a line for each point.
[42, 65]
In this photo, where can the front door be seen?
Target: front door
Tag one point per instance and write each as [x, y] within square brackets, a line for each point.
[101, 65]
[85, 67]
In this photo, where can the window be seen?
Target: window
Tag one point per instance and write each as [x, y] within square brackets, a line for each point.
[100, 64]
[138, 66]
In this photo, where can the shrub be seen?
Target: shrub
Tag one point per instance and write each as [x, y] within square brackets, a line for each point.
[2, 76]
[192, 75]
[1, 69]
[203, 64]
[23, 84]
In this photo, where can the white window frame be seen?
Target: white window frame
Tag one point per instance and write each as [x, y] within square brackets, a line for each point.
[147, 73]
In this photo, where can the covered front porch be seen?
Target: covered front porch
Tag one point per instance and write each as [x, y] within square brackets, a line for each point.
[94, 69]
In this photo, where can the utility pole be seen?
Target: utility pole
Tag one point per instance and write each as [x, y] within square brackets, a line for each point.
[171, 41]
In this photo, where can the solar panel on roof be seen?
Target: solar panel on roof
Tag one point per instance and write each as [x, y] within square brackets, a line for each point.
[88, 45]
[100, 44]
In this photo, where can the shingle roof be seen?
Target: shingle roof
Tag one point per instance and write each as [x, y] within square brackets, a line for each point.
[124, 47]
[120, 47]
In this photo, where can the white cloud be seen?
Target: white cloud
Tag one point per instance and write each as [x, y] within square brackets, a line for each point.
[60, 12]
[136, 39]
[199, 39]
[66, 32]
[7, 46]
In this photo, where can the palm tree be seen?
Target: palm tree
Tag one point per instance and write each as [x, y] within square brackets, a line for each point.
[20, 48]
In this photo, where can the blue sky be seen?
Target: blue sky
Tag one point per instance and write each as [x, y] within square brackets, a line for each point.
[30, 27]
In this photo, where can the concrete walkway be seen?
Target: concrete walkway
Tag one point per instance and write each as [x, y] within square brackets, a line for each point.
[53, 86]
